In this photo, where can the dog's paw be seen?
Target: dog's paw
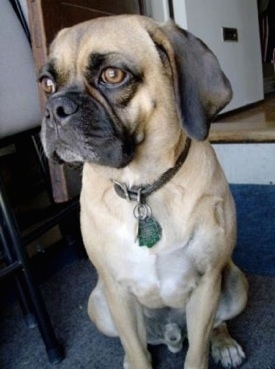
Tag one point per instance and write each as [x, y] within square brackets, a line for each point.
[227, 352]
[140, 363]
[173, 337]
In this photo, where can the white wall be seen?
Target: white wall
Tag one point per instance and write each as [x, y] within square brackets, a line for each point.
[247, 163]
[158, 9]
[241, 61]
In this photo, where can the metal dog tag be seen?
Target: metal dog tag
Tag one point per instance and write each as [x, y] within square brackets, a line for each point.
[149, 232]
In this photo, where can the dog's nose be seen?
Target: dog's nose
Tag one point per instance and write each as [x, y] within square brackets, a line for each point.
[58, 109]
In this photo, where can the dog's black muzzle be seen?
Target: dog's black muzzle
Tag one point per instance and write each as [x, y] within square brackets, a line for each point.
[77, 128]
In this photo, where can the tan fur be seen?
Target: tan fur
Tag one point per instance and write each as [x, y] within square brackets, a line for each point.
[190, 268]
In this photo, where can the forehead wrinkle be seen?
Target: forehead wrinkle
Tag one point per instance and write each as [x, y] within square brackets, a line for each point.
[74, 45]
[114, 34]
[137, 62]
[64, 50]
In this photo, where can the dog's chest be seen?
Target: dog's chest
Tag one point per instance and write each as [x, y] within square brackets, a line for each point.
[158, 280]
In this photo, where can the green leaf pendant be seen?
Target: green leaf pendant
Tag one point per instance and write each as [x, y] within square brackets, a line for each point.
[149, 232]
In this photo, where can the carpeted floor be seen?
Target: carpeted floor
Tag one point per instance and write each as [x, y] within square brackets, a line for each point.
[68, 290]
[255, 249]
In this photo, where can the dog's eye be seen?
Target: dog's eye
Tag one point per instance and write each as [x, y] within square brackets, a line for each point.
[113, 76]
[48, 85]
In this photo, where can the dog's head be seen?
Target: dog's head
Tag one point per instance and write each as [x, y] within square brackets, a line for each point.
[113, 82]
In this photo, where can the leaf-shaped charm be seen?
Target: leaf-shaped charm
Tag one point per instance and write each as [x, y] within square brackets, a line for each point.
[149, 232]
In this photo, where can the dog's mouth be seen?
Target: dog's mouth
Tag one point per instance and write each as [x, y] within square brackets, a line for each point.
[56, 158]
[77, 129]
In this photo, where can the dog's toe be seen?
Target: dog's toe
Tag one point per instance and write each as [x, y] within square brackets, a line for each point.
[225, 350]
[228, 353]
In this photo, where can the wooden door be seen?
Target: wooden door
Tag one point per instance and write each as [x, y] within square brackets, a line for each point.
[57, 14]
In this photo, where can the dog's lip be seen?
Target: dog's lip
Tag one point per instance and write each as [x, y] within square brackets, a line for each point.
[56, 158]
[126, 161]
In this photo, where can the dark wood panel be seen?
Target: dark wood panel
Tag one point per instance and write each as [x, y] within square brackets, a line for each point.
[58, 14]
[109, 6]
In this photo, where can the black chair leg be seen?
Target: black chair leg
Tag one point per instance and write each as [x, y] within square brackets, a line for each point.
[30, 292]
[53, 348]
[25, 303]
[14, 268]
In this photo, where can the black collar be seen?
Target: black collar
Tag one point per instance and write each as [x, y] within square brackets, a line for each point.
[140, 193]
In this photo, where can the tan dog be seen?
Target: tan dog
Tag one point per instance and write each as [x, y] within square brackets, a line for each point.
[133, 100]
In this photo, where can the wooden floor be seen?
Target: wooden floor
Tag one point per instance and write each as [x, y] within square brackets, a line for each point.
[254, 124]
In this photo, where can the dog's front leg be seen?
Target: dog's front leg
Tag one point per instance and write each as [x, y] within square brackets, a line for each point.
[200, 314]
[128, 318]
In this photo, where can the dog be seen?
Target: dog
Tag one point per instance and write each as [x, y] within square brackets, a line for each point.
[133, 100]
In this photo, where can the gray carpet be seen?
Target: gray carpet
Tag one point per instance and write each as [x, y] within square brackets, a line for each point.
[255, 251]
[67, 293]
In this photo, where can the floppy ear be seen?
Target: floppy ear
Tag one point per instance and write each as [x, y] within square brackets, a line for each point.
[201, 88]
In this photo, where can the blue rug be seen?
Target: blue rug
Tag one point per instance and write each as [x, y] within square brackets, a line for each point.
[255, 249]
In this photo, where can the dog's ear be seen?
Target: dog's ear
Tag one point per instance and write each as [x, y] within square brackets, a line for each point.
[201, 88]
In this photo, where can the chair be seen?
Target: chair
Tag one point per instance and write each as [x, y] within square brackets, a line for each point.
[19, 120]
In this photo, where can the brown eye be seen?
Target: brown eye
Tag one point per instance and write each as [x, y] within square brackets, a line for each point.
[48, 85]
[113, 76]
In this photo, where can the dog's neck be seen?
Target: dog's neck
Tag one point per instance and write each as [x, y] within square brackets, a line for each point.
[149, 229]
[141, 192]
[148, 168]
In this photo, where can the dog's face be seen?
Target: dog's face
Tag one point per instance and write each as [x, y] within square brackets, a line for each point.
[112, 82]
